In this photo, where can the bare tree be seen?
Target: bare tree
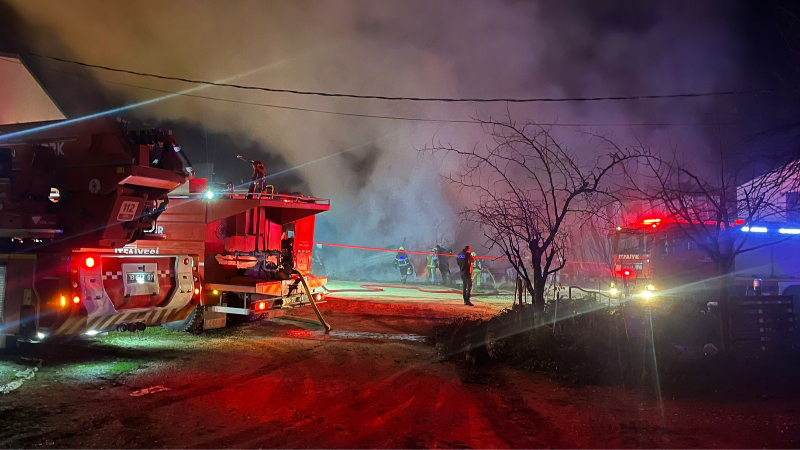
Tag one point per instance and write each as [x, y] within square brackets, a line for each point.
[707, 201]
[531, 193]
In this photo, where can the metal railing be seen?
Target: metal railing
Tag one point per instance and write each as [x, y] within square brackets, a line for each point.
[267, 194]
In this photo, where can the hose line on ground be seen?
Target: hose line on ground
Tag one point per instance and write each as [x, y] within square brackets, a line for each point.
[311, 299]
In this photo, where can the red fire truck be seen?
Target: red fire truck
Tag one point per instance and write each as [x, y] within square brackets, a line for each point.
[656, 253]
[70, 192]
[254, 251]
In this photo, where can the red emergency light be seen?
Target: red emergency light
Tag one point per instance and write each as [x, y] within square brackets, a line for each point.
[651, 221]
[89, 262]
[76, 299]
[627, 272]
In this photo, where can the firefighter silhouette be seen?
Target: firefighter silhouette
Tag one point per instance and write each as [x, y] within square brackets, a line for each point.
[257, 182]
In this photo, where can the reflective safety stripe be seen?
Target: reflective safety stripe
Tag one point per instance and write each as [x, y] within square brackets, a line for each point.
[64, 326]
[80, 325]
[105, 321]
[92, 323]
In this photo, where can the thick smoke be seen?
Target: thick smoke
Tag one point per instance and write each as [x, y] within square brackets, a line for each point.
[383, 191]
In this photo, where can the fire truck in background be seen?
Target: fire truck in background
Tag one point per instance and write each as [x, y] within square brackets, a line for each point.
[655, 254]
[254, 251]
[70, 193]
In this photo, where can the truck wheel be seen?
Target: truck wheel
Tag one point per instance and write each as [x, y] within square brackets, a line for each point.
[193, 323]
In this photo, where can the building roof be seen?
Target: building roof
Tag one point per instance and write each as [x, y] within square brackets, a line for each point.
[22, 97]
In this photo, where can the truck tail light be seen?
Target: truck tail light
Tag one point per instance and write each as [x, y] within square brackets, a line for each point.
[262, 306]
[185, 261]
[197, 291]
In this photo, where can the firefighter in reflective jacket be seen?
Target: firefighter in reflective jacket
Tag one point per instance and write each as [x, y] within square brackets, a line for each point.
[433, 263]
[402, 263]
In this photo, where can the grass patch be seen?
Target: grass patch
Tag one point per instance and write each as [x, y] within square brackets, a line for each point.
[155, 337]
[121, 367]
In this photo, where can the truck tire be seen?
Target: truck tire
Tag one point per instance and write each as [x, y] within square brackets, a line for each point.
[193, 323]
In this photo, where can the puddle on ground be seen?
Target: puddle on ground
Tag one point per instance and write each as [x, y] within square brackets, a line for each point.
[301, 333]
[378, 336]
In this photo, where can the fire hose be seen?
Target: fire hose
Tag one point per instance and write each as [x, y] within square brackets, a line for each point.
[311, 299]
[380, 288]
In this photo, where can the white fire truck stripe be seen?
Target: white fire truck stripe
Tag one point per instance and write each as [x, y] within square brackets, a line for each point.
[78, 324]
[104, 321]
[116, 319]
[63, 325]
[152, 316]
[92, 323]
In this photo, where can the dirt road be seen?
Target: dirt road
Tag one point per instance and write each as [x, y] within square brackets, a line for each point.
[373, 382]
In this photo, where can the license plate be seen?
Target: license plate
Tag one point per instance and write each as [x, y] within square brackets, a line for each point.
[141, 277]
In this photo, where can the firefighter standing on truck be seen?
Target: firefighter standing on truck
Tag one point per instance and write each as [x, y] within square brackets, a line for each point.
[433, 262]
[465, 266]
[257, 181]
[402, 263]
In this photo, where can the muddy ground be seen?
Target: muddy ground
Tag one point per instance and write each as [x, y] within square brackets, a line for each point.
[376, 381]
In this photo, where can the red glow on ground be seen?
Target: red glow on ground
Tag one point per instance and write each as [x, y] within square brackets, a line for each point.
[298, 333]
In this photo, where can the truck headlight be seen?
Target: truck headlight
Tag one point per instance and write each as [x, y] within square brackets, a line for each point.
[613, 291]
[647, 296]
[651, 288]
